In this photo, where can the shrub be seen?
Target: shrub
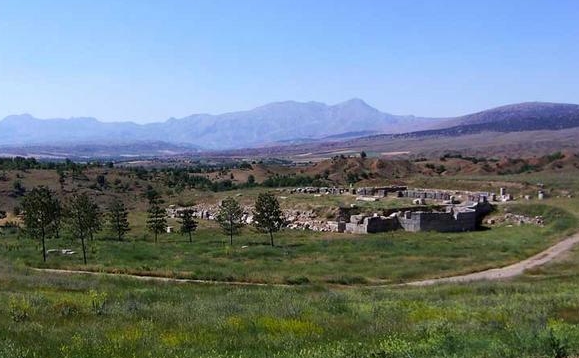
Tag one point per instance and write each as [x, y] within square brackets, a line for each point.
[98, 301]
[20, 308]
[67, 308]
[297, 280]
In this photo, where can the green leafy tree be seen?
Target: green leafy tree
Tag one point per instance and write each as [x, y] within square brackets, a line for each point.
[118, 219]
[41, 211]
[81, 213]
[156, 219]
[58, 219]
[94, 220]
[188, 224]
[229, 217]
[267, 215]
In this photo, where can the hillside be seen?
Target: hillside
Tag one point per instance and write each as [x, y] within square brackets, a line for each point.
[518, 117]
[302, 131]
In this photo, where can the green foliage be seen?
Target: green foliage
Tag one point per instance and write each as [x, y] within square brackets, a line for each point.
[267, 215]
[555, 156]
[18, 188]
[188, 224]
[83, 218]
[118, 219]
[19, 308]
[156, 218]
[41, 215]
[279, 181]
[98, 301]
[229, 217]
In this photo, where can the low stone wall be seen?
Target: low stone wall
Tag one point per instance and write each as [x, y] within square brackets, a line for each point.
[439, 221]
[372, 224]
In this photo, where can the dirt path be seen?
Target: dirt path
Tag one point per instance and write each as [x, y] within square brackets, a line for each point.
[157, 278]
[492, 274]
[508, 271]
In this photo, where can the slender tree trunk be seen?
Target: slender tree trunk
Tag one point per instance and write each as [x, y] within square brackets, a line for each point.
[156, 236]
[190, 238]
[271, 237]
[83, 249]
[119, 231]
[43, 246]
[230, 232]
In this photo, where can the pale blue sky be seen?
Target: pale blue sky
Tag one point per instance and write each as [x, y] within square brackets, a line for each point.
[146, 60]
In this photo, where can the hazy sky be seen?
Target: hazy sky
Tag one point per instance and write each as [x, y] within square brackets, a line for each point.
[148, 60]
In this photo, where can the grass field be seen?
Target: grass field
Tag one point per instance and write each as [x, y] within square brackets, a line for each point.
[303, 256]
[79, 316]
[330, 307]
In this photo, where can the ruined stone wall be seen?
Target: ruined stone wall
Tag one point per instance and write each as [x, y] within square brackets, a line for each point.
[438, 221]
[376, 224]
[424, 194]
[372, 224]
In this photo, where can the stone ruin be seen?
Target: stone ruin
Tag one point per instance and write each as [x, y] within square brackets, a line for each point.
[452, 219]
[361, 191]
[442, 218]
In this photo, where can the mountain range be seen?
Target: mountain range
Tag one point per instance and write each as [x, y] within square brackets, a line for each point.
[280, 123]
[271, 123]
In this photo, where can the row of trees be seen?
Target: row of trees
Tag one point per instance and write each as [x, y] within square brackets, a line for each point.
[267, 216]
[44, 215]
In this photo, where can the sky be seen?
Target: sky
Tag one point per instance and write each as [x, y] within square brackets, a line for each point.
[149, 60]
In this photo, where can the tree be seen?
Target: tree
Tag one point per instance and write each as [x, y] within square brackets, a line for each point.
[58, 219]
[267, 215]
[81, 214]
[229, 217]
[18, 188]
[41, 210]
[117, 218]
[363, 155]
[94, 219]
[156, 220]
[101, 181]
[188, 224]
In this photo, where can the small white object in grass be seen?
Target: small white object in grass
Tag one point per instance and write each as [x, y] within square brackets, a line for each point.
[244, 247]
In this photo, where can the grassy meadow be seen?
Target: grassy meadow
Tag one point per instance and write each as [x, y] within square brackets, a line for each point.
[331, 304]
[44, 315]
[301, 257]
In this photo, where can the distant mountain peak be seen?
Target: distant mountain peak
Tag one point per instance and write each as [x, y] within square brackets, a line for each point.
[279, 122]
[355, 101]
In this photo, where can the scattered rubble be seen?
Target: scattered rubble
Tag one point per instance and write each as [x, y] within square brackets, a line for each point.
[516, 219]
[61, 251]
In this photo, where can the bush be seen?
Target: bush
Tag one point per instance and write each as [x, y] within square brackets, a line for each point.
[297, 280]
[20, 308]
[67, 308]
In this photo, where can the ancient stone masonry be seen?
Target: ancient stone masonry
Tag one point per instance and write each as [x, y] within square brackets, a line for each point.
[321, 190]
[378, 191]
[361, 224]
[362, 191]
[453, 219]
[450, 221]
[425, 194]
[444, 217]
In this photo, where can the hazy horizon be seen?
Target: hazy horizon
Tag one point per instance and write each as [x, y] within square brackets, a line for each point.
[147, 62]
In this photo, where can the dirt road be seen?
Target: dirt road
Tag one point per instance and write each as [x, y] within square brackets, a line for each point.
[507, 271]
[491, 274]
